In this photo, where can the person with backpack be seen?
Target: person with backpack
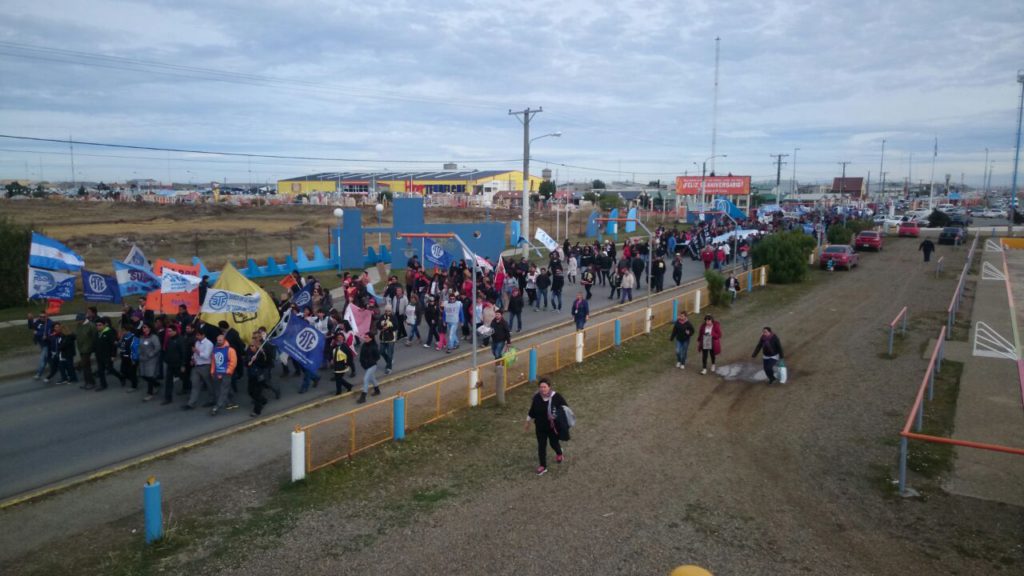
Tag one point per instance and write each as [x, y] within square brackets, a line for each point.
[128, 349]
[587, 279]
[550, 421]
[342, 362]
[770, 347]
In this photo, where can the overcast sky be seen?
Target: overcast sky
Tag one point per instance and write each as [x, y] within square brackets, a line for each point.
[628, 83]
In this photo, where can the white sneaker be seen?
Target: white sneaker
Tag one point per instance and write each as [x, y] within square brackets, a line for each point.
[712, 367]
[703, 370]
[682, 366]
[679, 365]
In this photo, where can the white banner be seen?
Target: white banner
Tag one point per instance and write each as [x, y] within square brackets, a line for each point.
[223, 301]
[545, 239]
[172, 282]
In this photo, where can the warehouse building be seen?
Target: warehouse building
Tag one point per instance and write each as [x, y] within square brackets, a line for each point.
[474, 182]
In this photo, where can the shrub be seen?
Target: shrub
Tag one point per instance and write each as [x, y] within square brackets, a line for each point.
[609, 201]
[785, 254]
[16, 240]
[938, 219]
[716, 288]
[839, 234]
[858, 226]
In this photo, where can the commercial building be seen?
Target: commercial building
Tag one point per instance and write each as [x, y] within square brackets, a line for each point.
[473, 182]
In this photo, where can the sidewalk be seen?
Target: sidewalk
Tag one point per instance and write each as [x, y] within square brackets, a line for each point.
[193, 467]
[989, 406]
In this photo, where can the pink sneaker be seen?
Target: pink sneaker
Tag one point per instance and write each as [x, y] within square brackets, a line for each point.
[541, 470]
[559, 458]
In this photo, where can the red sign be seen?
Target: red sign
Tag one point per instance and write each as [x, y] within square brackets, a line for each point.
[713, 185]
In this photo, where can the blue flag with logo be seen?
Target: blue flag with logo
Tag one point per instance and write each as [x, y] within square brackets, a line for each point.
[435, 254]
[50, 284]
[304, 297]
[302, 342]
[134, 280]
[98, 287]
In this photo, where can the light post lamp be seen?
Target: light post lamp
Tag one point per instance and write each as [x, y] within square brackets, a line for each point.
[380, 212]
[1016, 154]
[525, 228]
[795, 150]
[474, 374]
[703, 174]
[650, 261]
[339, 214]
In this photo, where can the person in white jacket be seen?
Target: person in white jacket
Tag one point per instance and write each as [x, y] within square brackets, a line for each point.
[626, 288]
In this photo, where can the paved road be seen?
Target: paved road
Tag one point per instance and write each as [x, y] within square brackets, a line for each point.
[53, 433]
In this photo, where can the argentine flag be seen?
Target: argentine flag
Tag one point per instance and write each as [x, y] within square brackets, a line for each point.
[52, 255]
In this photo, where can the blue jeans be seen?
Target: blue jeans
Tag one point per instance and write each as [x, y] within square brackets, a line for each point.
[514, 318]
[580, 322]
[681, 350]
[453, 335]
[308, 377]
[369, 378]
[542, 294]
[414, 332]
[556, 300]
[769, 367]
[497, 349]
[625, 294]
[387, 351]
[44, 360]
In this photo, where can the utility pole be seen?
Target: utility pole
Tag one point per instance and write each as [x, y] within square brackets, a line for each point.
[931, 190]
[778, 175]
[72, 147]
[984, 177]
[795, 150]
[842, 181]
[1016, 154]
[714, 111]
[881, 168]
[524, 117]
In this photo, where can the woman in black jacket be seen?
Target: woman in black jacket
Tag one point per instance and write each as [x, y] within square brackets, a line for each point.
[369, 355]
[544, 411]
[770, 346]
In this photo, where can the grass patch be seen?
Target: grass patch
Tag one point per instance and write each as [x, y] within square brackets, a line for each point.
[16, 340]
[929, 459]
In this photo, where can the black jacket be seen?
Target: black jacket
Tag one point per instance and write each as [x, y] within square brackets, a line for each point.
[501, 332]
[681, 332]
[539, 411]
[369, 354]
[770, 346]
[176, 354]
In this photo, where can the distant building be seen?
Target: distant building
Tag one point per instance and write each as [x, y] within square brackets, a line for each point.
[852, 186]
[473, 182]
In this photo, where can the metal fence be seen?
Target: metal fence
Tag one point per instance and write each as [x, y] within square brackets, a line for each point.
[344, 435]
[958, 294]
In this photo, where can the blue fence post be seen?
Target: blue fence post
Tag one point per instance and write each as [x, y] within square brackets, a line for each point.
[675, 309]
[920, 417]
[903, 464]
[154, 518]
[399, 419]
[533, 364]
[618, 332]
[750, 281]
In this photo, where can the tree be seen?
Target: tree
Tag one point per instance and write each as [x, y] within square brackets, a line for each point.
[598, 185]
[938, 219]
[785, 254]
[591, 197]
[17, 189]
[546, 190]
[16, 240]
[609, 201]
[81, 190]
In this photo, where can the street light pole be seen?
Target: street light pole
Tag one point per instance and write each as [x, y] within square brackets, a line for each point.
[1016, 154]
[703, 174]
[527, 115]
[339, 213]
[881, 166]
[795, 150]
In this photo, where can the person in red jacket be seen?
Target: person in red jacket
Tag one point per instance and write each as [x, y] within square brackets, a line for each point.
[710, 338]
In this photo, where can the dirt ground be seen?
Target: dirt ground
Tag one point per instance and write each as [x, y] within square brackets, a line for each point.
[666, 467]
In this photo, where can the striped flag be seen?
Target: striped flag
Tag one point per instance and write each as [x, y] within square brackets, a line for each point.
[52, 255]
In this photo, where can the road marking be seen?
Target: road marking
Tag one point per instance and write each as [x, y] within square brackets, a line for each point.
[990, 272]
[993, 246]
[990, 344]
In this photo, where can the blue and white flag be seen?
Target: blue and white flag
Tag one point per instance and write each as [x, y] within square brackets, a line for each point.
[435, 254]
[52, 255]
[136, 258]
[172, 282]
[50, 284]
[545, 239]
[100, 287]
[301, 342]
[134, 280]
[226, 302]
[304, 297]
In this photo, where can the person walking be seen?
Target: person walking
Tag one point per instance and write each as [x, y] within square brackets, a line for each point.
[41, 328]
[85, 339]
[658, 269]
[260, 364]
[501, 335]
[200, 378]
[452, 318]
[682, 330]
[387, 327]
[369, 355]
[587, 278]
[543, 284]
[545, 409]
[128, 347]
[106, 348]
[515, 310]
[677, 268]
[771, 349]
[732, 284]
[149, 361]
[710, 342]
[927, 246]
[224, 364]
[557, 283]
[626, 285]
[580, 311]
[342, 362]
[175, 357]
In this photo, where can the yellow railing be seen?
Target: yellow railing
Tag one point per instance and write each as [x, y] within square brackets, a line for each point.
[346, 434]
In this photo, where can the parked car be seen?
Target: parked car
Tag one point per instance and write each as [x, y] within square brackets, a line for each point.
[886, 221]
[951, 235]
[993, 213]
[960, 220]
[868, 239]
[910, 229]
[840, 255]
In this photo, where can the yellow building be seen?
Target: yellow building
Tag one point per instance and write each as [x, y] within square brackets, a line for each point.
[476, 182]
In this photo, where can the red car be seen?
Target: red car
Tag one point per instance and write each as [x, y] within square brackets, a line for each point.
[908, 229]
[868, 239]
[841, 256]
